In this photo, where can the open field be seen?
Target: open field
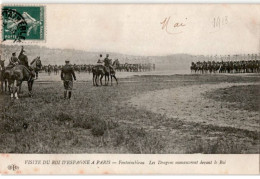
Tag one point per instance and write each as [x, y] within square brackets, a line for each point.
[143, 114]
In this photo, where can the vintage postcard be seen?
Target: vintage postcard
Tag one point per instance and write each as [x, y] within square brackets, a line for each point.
[130, 89]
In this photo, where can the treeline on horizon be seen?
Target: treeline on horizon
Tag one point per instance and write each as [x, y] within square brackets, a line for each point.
[57, 56]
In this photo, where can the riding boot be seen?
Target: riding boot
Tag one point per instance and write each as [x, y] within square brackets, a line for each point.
[65, 94]
[69, 94]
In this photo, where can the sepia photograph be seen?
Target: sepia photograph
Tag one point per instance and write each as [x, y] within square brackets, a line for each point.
[129, 79]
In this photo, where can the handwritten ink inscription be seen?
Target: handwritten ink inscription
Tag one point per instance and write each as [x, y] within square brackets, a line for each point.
[172, 27]
[219, 22]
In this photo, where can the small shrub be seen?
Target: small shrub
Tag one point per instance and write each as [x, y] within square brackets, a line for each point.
[98, 128]
[11, 124]
[216, 146]
[62, 116]
[137, 140]
[83, 123]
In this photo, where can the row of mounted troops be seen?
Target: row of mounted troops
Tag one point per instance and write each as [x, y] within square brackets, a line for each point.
[250, 66]
[88, 68]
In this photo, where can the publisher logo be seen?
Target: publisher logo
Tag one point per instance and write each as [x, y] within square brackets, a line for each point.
[13, 167]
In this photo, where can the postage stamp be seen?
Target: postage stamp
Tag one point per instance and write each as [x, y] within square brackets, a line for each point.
[23, 23]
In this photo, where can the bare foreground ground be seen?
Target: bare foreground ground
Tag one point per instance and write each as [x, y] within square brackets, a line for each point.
[143, 114]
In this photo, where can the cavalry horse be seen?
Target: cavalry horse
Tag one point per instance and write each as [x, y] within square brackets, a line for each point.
[2, 79]
[36, 64]
[99, 71]
[110, 71]
[115, 65]
[4, 75]
[20, 73]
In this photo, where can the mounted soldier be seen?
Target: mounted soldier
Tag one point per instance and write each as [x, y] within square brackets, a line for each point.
[23, 60]
[108, 63]
[13, 60]
[100, 60]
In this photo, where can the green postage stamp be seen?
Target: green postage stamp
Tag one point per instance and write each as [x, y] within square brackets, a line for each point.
[23, 23]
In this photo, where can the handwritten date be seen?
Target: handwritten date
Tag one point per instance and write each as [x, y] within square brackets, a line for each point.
[172, 27]
[219, 22]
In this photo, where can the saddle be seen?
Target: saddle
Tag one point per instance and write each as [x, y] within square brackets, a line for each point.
[30, 70]
[9, 67]
[99, 66]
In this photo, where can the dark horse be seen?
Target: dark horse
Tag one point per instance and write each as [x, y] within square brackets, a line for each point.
[110, 71]
[115, 65]
[21, 73]
[36, 64]
[2, 79]
[99, 71]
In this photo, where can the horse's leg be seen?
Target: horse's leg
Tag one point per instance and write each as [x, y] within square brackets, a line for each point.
[30, 84]
[115, 79]
[20, 88]
[111, 76]
[107, 79]
[11, 87]
[15, 89]
[101, 79]
[2, 86]
[31, 87]
[96, 79]
[6, 86]
[93, 79]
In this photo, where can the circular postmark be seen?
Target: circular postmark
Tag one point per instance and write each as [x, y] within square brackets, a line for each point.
[14, 25]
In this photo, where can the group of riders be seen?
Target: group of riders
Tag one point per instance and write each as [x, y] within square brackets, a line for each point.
[22, 59]
[17, 71]
[242, 66]
[126, 67]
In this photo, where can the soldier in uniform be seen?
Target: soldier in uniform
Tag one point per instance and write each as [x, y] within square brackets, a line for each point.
[107, 61]
[14, 60]
[67, 75]
[100, 61]
[24, 61]
[23, 58]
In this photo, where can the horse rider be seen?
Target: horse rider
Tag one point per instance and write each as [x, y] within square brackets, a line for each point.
[13, 60]
[100, 61]
[107, 62]
[23, 60]
[67, 75]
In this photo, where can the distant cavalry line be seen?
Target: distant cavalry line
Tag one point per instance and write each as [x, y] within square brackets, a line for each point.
[88, 68]
[243, 66]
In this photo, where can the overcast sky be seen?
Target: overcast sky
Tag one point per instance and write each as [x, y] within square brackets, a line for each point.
[137, 29]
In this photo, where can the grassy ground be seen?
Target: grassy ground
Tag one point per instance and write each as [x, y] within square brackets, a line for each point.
[97, 120]
[248, 100]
